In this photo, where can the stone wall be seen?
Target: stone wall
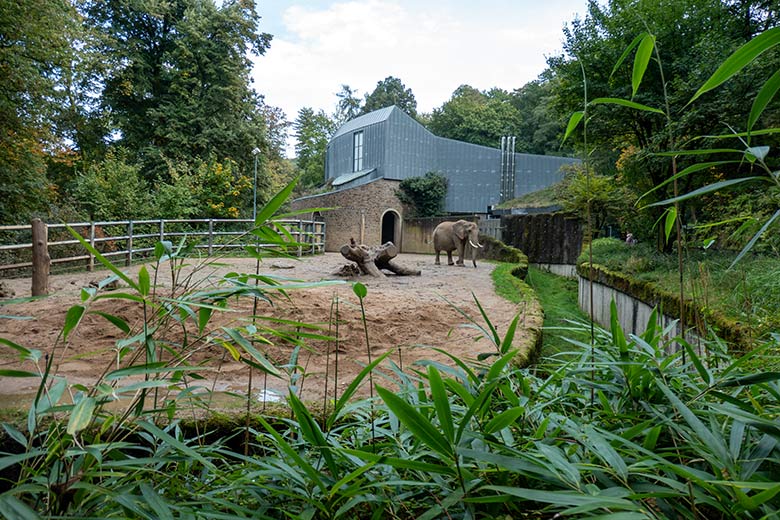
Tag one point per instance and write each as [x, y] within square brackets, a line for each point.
[357, 213]
[549, 238]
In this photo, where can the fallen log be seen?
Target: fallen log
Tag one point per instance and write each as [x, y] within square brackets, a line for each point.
[371, 261]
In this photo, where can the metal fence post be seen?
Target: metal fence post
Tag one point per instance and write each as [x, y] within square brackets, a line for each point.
[91, 265]
[162, 230]
[129, 260]
[40, 257]
[211, 235]
[300, 237]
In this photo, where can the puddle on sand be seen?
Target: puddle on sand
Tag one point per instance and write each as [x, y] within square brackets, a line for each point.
[218, 400]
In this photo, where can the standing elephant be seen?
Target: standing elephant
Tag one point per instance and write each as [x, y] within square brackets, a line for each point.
[449, 236]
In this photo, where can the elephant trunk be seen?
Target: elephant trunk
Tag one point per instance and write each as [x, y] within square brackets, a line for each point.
[474, 252]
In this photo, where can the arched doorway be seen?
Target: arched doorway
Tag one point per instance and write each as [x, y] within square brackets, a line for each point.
[391, 227]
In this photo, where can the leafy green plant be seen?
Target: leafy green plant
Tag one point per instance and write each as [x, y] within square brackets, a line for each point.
[425, 195]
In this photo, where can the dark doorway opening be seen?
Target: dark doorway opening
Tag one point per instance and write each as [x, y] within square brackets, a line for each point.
[389, 226]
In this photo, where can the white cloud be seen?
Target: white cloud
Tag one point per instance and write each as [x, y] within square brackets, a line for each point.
[432, 48]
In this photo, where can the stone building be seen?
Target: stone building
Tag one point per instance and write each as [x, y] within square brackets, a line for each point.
[369, 213]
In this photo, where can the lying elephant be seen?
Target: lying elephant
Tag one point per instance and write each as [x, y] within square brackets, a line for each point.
[449, 236]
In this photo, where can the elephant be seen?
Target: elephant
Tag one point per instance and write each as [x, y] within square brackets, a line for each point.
[449, 236]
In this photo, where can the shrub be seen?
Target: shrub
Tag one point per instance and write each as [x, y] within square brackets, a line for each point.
[424, 195]
[112, 189]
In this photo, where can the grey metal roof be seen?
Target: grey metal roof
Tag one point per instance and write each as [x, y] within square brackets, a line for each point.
[347, 177]
[377, 116]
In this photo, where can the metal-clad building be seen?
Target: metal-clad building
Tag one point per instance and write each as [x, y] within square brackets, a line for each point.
[389, 144]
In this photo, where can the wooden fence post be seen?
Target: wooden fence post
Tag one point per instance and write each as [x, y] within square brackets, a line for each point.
[40, 257]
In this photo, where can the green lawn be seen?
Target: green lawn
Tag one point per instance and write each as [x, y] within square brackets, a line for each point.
[558, 297]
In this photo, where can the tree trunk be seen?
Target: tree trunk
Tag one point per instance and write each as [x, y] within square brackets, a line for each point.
[371, 260]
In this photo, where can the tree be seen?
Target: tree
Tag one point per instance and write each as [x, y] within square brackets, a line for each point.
[540, 128]
[35, 48]
[693, 36]
[425, 195]
[348, 106]
[178, 87]
[388, 92]
[312, 132]
[609, 202]
[476, 117]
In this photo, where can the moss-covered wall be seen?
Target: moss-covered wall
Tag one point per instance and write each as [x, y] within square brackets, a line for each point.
[697, 319]
[547, 238]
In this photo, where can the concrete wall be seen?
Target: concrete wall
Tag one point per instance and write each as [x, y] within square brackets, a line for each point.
[633, 314]
[358, 214]
[567, 270]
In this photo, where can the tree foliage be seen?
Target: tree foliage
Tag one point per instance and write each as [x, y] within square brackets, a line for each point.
[425, 195]
[693, 37]
[178, 87]
[476, 117]
[388, 92]
[112, 189]
[35, 51]
[312, 132]
[541, 126]
[348, 106]
[609, 202]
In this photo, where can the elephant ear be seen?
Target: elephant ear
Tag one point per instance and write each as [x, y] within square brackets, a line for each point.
[460, 229]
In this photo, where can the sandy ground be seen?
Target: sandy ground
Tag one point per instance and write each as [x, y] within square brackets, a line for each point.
[408, 315]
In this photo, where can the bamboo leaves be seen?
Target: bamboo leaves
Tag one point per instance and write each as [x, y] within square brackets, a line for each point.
[739, 60]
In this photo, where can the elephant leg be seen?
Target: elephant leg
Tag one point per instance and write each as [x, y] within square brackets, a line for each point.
[437, 257]
[461, 249]
[449, 258]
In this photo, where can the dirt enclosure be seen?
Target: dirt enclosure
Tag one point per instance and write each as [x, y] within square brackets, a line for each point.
[408, 315]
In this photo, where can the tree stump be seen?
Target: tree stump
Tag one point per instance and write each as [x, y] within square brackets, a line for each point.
[371, 261]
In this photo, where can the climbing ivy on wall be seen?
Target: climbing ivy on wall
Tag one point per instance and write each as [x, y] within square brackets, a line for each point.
[424, 195]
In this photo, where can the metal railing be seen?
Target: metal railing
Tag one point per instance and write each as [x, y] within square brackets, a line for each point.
[134, 239]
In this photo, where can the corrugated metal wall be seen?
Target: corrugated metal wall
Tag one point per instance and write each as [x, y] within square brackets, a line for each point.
[535, 172]
[410, 148]
[473, 173]
[399, 147]
[340, 151]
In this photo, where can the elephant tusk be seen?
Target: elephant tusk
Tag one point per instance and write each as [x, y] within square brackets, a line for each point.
[477, 245]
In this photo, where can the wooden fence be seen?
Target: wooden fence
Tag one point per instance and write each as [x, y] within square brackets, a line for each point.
[22, 246]
[491, 227]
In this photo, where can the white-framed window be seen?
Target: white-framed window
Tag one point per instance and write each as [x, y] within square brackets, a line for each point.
[357, 148]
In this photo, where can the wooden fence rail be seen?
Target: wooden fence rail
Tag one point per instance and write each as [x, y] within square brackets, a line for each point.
[32, 245]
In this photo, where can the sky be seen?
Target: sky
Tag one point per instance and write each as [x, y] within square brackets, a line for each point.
[432, 46]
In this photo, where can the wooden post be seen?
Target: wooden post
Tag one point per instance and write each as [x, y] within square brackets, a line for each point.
[129, 260]
[40, 257]
[362, 226]
[91, 264]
